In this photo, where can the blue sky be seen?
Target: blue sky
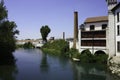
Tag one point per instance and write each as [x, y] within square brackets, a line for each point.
[30, 15]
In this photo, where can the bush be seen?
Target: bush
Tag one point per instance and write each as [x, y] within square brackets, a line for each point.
[19, 46]
[74, 53]
[86, 56]
[101, 58]
[59, 47]
[28, 45]
[51, 51]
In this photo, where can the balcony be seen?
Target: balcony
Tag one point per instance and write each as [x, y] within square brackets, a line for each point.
[93, 34]
[100, 43]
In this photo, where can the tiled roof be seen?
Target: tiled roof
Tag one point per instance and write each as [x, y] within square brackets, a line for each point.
[96, 19]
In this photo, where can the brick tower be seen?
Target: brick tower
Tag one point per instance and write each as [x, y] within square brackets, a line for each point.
[75, 29]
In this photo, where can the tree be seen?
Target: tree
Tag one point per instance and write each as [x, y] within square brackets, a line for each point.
[7, 32]
[45, 30]
[3, 11]
[28, 45]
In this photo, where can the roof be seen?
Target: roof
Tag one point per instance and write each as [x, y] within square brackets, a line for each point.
[96, 19]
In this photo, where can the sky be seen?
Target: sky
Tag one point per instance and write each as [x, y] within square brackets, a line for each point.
[31, 15]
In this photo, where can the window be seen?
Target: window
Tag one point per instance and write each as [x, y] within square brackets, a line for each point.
[104, 26]
[118, 46]
[92, 27]
[118, 30]
[117, 16]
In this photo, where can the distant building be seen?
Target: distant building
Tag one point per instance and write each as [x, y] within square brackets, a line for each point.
[36, 43]
[52, 38]
[70, 40]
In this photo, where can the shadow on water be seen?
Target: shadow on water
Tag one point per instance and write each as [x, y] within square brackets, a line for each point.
[8, 68]
[44, 63]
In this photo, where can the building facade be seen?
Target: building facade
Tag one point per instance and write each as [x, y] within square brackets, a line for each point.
[93, 33]
[114, 29]
[101, 33]
[117, 29]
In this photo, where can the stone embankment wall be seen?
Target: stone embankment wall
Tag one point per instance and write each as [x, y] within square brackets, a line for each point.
[114, 65]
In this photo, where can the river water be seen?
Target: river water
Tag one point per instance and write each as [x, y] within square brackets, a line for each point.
[33, 64]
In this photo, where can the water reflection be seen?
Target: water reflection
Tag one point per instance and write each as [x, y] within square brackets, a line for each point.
[34, 65]
[89, 71]
[8, 69]
[44, 63]
[8, 72]
[63, 61]
[7, 59]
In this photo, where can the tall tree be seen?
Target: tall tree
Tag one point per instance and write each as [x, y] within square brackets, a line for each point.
[7, 32]
[3, 11]
[45, 30]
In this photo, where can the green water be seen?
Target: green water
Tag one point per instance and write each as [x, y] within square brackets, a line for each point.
[32, 64]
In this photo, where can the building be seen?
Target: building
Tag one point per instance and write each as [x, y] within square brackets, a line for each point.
[36, 43]
[101, 33]
[92, 34]
[113, 27]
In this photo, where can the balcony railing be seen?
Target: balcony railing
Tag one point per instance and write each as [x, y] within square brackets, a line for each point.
[93, 43]
[93, 34]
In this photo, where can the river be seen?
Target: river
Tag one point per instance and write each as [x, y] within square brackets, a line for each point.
[33, 64]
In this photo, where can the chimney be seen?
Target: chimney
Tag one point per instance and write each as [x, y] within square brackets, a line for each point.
[63, 35]
[75, 29]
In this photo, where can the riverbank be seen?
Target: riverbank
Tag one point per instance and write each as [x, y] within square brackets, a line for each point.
[56, 47]
[114, 65]
[61, 48]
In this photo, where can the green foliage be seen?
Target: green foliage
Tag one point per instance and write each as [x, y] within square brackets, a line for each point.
[7, 37]
[51, 51]
[74, 53]
[19, 46]
[86, 56]
[28, 45]
[101, 58]
[45, 30]
[61, 47]
[3, 11]
[7, 31]
[57, 47]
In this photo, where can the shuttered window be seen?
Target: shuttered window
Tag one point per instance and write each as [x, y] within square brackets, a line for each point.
[118, 46]
[118, 30]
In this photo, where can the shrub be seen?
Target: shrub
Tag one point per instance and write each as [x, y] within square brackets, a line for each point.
[86, 56]
[28, 45]
[19, 46]
[55, 47]
[74, 53]
[101, 58]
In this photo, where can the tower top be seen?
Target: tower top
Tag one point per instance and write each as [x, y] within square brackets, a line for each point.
[110, 2]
